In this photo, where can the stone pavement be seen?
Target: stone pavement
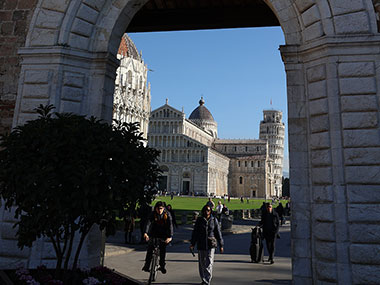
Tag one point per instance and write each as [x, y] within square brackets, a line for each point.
[127, 259]
[115, 244]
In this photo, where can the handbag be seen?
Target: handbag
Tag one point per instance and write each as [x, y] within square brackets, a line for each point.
[212, 243]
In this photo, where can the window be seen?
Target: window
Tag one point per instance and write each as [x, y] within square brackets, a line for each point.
[258, 163]
[238, 163]
[251, 163]
[253, 193]
[241, 180]
[129, 78]
[245, 163]
[235, 148]
[246, 148]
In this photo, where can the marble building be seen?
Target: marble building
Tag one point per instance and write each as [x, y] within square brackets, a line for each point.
[132, 90]
[194, 160]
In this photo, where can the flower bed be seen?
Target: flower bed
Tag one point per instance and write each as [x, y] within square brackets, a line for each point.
[44, 276]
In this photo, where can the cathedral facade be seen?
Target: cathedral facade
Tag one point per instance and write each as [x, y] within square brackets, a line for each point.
[132, 90]
[195, 161]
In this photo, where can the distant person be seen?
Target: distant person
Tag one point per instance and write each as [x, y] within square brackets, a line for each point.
[129, 224]
[229, 198]
[218, 210]
[224, 198]
[271, 224]
[280, 212]
[263, 208]
[225, 210]
[247, 200]
[210, 203]
[206, 235]
[287, 209]
[171, 195]
[159, 225]
[242, 199]
[171, 211]
[143, 213]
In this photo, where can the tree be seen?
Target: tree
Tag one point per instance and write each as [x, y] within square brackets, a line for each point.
[64, 173]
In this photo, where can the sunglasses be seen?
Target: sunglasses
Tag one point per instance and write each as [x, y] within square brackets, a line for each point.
[208, 210]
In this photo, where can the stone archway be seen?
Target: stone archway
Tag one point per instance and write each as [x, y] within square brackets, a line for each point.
[331, 58]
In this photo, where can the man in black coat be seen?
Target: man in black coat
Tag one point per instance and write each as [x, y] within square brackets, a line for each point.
[159, 225]
[271, 224]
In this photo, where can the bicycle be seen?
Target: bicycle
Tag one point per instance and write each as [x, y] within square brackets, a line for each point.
[154, 266]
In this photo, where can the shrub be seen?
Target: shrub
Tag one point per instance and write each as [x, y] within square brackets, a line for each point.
[65, 173]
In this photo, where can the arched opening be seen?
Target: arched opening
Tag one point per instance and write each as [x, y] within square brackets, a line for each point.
[330, 56]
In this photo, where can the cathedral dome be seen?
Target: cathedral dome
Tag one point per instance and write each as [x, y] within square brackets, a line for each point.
[202, 117]
[127, 48]
[201, 112]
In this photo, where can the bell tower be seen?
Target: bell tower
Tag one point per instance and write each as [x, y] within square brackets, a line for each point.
[272, 129]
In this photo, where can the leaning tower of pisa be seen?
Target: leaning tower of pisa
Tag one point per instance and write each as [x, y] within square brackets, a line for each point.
[272, 129]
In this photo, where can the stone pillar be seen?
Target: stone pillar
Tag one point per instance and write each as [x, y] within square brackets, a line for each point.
[334, 144]
[73, 81]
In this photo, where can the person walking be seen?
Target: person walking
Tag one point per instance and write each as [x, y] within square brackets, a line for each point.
[263, 208]
[143, 213]
[280, 211]
[225, 210]
[206, 235]
[129, 224]
[271, 224]
[219, 209]
[210, 203]
[172, 213]
[159, 225]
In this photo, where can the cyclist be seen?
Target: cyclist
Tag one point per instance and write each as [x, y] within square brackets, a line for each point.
[159, 225]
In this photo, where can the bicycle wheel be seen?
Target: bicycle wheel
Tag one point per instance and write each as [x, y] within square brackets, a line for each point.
[153, 268]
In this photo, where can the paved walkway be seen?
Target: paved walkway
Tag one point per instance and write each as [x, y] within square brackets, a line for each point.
[182, 267]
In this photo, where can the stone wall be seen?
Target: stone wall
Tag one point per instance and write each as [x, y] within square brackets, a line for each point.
[15, 16]
[331, 59]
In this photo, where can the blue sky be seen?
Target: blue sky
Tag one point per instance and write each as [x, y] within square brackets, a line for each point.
[237, 71]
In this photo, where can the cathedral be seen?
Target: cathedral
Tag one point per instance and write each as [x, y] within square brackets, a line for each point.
[194, 161]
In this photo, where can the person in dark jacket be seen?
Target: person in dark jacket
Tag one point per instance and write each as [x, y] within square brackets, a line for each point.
[144, 212]
[271, 224]
[206, 235]
[172, 214]
[263, 208]
[159, 225]
[280, 212]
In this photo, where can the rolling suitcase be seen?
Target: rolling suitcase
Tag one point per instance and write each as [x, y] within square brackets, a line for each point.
[256, 249]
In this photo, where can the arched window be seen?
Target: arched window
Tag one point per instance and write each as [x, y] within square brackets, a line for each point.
[241, 180]
[129, 78]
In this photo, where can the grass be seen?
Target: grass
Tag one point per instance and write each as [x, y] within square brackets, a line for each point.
[196, 203]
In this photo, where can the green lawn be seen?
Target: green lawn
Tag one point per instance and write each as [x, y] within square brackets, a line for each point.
[196, 203]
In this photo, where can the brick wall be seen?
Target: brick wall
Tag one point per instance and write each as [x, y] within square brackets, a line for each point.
[15, 16]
